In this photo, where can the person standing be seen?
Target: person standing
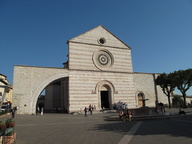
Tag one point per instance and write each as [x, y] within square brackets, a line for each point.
[42, 111]
[85, 110]
[38, 110]
[13, 111]
[121, 115]
[129, 115]
[90, 109]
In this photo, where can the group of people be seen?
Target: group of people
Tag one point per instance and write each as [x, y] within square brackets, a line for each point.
[160, 107]
[90, 109]
[125, 115]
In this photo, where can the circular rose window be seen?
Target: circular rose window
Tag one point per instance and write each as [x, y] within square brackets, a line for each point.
[103, 59]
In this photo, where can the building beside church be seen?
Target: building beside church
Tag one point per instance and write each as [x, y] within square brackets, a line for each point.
[5, 92]
[98, 72]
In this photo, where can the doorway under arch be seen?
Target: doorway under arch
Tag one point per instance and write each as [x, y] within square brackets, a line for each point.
[105, 90]
[105, 96]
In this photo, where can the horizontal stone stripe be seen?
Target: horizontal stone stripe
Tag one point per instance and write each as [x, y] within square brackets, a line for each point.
[79, 89]
[95, 81]
[89, 52]
[95, 97]
[113, 69]
[87, 87]
[93, 46]
[117, 62]
[89, 90]
[99, 74]
[118, 84]
[83, 100]
[84, 65]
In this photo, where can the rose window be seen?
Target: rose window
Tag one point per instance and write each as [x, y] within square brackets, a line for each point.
[103, 59]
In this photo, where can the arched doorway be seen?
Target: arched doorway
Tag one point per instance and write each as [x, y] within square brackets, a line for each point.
[105, 91]
[105, 96]
[140, 96]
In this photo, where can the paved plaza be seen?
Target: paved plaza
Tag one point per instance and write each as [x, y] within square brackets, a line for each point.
[97, 129]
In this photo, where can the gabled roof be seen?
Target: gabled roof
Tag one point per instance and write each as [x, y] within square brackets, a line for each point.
[3, 79]
[92, 35]
[3, 75]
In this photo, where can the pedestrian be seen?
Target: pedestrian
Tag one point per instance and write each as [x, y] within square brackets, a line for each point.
[121, 114]
[114, 106]
[90, 109]
[85, 110]
[13, 111]
[181, 111]
[37, 110]
[129, 114]
[157, 106]
[42, 111]
[103, 109]
[162, 108]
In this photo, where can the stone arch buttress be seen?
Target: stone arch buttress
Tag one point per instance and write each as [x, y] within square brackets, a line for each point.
[41, 86]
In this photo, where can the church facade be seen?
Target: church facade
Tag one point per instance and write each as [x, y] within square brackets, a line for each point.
[98, 72]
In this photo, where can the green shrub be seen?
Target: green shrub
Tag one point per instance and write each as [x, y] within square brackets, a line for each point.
[177, 101]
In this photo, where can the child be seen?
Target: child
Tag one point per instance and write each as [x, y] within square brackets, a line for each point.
[121, 114]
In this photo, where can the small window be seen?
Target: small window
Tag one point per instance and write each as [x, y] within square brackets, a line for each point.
[102, 40]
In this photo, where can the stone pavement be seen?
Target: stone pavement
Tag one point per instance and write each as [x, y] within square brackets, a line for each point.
[77, 129]
[70, 129]
[170, 113]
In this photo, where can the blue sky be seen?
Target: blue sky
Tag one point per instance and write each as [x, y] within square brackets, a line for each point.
[35, 32]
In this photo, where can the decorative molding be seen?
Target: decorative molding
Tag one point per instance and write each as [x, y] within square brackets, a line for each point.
[101, 71]
[98, 45]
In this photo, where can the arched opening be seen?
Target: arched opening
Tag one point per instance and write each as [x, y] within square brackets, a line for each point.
[105, 91]
[54, 97]
[105, 96]
[140, 96]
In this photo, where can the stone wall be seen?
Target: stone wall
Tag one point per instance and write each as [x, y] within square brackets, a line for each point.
[29, 82]
[144, 82]
[84, 88]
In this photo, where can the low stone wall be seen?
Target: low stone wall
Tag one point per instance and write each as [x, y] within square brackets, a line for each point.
[4, 115]
[143, 111]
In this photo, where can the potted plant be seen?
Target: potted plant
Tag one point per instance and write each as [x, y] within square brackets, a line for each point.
[9, 135]
[2, 128]
[10, 123]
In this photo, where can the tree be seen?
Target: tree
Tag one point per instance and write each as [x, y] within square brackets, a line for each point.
[183, 81]
[165, 81]
[177, 100]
